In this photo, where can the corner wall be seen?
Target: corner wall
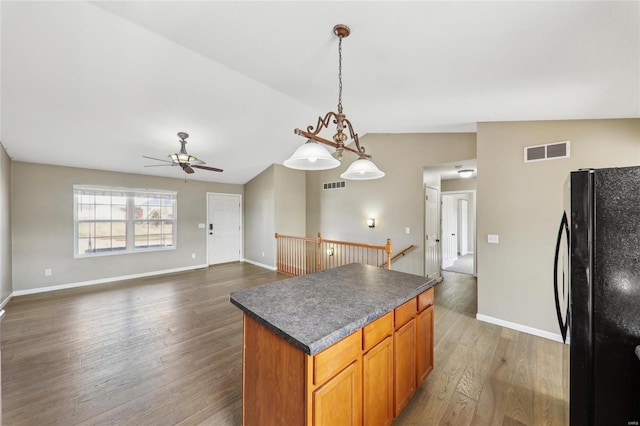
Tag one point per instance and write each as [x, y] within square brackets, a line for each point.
[42, 225]
[523, 203]
[6, 280]
[274, 202]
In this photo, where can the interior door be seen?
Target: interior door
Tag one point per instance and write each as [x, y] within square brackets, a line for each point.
[449, 227]
[432, 242]
[224, 228]
[463, 225]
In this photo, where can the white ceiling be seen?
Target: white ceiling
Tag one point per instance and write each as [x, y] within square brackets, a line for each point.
[99, 84]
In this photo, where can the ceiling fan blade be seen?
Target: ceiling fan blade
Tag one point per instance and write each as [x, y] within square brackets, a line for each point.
[157, 159]
[160, 165]
[211, 169]
[187, 169]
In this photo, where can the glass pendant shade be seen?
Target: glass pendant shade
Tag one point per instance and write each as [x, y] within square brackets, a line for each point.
[182, 158]
[362, 169]
[311, 156]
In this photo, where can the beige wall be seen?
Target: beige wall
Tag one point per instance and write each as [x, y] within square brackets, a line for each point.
[523, 203]
[290, 201]
[259, 218]
[42, 223]
[5, 226]
[274, 202]
[395, 201]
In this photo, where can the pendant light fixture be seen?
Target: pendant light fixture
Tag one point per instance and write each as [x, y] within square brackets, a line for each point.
[313, 156]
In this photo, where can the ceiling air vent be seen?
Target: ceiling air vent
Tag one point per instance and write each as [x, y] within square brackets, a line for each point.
[334, 185]
[550, 151]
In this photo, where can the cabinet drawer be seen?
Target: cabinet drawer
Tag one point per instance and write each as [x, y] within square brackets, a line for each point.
[425, 299]
[333, 359]
[405, 312]
[376, 331]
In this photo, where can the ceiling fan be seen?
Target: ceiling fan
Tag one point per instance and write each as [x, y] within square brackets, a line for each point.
[186, 161]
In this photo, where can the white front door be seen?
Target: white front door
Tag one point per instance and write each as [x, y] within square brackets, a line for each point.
[431, 221]
[449, 227]
[224, 228]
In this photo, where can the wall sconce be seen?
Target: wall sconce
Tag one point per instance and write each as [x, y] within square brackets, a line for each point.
[371, 223]
[330, 251]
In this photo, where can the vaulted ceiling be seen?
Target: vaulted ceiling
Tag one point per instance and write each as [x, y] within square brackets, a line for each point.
[100, 84]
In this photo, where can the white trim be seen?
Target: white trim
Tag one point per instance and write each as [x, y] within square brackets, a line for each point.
[6, 300]
[105, 280]
[262, 265]
[519, 327]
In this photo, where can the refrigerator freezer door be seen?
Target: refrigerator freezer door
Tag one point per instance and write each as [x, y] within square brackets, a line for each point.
[616, 296]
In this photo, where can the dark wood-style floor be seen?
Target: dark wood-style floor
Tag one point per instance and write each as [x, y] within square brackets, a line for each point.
[167, 350]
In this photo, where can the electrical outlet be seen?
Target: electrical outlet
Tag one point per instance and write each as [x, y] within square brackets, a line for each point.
[407, 230]
[193, 255]
[48, 272]
[262, 254]
[493, 239]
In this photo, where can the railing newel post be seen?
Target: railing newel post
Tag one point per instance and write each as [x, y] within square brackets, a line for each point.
[388, 249]
[319, 253]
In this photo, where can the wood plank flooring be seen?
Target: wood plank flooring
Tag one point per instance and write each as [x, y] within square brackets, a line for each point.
[167, 350]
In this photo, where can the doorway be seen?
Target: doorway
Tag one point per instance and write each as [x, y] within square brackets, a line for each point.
[458, 232]
[224, 228]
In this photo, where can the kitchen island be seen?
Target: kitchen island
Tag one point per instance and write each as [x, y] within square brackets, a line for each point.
[344, 346]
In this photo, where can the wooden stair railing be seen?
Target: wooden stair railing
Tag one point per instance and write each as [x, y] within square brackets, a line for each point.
[303, 255]
[400, 253]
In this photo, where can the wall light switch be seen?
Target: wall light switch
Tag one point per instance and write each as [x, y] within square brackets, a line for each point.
[201, 225]
[407, 230]
[493, 239]
[48, 272]
[193, 255]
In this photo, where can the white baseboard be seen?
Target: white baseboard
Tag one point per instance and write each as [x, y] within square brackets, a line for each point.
[519, 327]
[6, 300]
[262, 265]
[104, 280]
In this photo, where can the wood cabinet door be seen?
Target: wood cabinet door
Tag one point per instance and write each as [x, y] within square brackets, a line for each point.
[339, 401]
[404, 364]
[377, 390]
[424, 343]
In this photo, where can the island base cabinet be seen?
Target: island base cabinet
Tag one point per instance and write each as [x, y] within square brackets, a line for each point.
[273, 378]
[338, 401]
[364, 379]
[378, 384]
[404, 348]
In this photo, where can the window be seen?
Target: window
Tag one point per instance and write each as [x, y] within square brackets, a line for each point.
[116, 220]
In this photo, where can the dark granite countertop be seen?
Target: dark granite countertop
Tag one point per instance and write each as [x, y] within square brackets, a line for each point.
[314, 311]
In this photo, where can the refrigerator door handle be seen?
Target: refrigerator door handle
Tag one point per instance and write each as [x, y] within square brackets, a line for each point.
[564, 324]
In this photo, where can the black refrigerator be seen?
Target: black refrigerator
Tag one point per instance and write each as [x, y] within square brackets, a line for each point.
[597, 294]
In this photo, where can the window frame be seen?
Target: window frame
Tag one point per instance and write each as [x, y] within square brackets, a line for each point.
[130, 218]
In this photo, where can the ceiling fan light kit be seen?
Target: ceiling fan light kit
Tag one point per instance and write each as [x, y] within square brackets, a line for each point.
[307, 157]
[183, 159]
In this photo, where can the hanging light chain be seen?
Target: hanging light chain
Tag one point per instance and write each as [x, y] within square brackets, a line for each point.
[340, 75]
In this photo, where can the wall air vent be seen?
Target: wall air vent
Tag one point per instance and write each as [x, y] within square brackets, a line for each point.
[334, 185]
[550, 151]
